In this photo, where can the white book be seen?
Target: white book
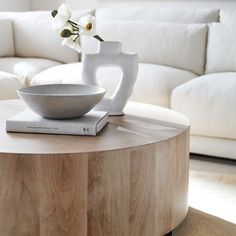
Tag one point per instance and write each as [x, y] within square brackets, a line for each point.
[28, 121]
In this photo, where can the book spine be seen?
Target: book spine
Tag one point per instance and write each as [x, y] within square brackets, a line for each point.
[31, 127]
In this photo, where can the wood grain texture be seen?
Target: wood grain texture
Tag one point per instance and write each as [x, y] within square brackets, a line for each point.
[108, 191]
[138, 190]
[43, 195]
[122, 132]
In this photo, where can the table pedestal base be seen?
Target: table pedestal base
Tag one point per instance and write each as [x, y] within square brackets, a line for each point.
[128, 192]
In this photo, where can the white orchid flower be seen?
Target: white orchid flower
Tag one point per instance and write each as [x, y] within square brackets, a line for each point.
[87, 25]
[68, 26]
[63, 15]
[70, 30]
[72, 42]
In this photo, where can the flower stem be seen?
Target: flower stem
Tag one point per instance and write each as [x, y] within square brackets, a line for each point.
[76, 38]
[73, 24]
[98, 38]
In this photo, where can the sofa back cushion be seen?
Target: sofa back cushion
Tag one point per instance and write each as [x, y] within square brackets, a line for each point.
[221, 50]
[6, 38]
[159, 15]
[34, 37]
[177, 45]
[228, 16]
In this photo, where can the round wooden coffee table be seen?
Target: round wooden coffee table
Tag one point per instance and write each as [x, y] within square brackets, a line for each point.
[130, 180]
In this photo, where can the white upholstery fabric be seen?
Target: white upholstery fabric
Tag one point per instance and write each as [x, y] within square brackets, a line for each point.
[25, 68]
[63, 74]
[228, 16]
[159, 15]
[6, 38]
[154, 83]
[8, 85]
[211, 146]
[34, 37]
[178, 45]
[209, 103]
[5, 14]
[221, 48]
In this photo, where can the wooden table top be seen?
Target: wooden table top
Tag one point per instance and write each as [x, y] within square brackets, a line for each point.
[142, 124]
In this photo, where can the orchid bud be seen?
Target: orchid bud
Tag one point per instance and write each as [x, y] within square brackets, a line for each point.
[65, 33]
[54, 13]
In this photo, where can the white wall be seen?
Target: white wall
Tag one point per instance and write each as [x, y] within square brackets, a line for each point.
[153, 3]
[15, 5]
[25, 5]
[46, 4]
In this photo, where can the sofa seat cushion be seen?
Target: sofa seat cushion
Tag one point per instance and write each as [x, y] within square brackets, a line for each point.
[154, 82]
[8, 85]
[25, 68]
[209, 102]
[63, 74]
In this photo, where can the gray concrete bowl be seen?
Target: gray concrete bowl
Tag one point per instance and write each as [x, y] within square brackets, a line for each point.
[61, 101]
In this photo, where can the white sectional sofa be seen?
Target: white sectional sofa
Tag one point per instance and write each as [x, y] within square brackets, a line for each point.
[187, 63]
[29, 46]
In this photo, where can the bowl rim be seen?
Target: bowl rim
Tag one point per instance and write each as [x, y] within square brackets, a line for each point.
[21, 91]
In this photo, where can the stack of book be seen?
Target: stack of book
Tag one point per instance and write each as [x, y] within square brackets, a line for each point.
[29, 122]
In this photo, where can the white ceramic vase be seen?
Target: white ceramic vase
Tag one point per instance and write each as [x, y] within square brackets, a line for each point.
[109, 55]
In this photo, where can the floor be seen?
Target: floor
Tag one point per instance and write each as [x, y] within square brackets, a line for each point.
[212, 186]
[212, 198]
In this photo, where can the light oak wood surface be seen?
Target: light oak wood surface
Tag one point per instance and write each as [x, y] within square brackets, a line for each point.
[130, 180]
